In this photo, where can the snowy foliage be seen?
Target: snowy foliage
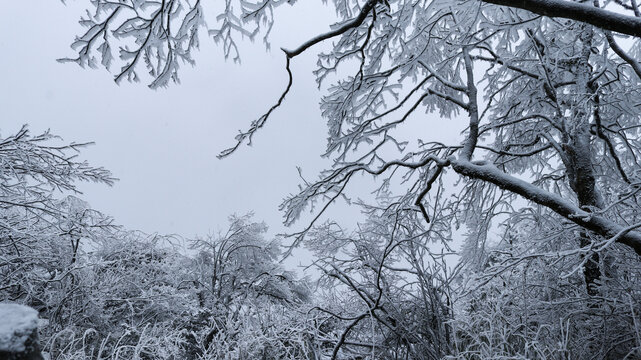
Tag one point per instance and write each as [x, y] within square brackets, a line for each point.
[542, 189]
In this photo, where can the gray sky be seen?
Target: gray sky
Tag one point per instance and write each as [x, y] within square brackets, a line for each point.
[162, 145]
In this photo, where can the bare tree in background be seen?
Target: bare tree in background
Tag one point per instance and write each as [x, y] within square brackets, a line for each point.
[550, 90]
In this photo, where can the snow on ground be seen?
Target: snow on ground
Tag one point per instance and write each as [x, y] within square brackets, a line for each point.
[17, 323]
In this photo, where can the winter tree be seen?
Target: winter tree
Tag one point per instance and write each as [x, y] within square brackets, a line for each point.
[545, 177]
[256, 304]
[40, 232]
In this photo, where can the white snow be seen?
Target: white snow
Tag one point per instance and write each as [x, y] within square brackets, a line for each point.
[17, 323]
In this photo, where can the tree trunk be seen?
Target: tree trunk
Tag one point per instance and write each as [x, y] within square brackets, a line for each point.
[579, 156]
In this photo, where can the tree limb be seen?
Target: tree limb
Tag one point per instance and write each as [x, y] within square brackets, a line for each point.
[369, 5]
[600, 225]
[600, 18]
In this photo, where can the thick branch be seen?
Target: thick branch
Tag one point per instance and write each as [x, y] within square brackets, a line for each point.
[289, 54]
[600, 18]
[369, 5]
[473, 109]
[622, 54]
[565, 208]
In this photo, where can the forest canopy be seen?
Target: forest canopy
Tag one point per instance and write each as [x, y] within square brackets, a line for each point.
[542, 190]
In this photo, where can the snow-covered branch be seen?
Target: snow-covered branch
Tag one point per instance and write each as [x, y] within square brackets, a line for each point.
[593, 222]
[604, 19]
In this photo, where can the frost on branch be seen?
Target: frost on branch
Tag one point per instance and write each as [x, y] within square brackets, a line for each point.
[161, 36]
[541, 187]
[157, 36]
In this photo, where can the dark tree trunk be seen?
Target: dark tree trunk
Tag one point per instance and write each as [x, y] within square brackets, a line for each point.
[579, 156]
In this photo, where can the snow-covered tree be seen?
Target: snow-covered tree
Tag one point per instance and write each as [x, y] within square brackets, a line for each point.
[242, 263]
[557, 94]
[41, 224]
[388, 291]
[546, 95]
[251, 298]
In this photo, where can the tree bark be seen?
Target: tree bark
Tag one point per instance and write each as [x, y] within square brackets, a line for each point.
[578, 158]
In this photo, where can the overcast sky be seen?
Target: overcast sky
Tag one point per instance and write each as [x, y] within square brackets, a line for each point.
[162, 145]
